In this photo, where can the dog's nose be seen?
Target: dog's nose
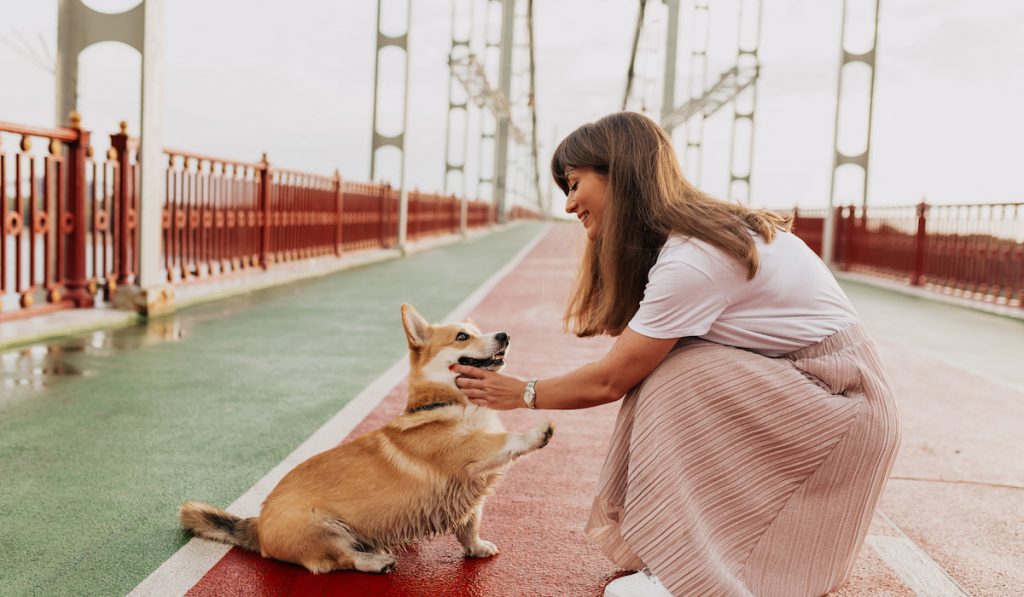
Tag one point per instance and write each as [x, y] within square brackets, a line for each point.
[501, 337]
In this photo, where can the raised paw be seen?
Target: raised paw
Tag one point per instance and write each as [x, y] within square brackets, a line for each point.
[379, 563]
[481, 549]
[542, 434]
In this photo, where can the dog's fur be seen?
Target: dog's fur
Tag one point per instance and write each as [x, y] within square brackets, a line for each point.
[427, 472]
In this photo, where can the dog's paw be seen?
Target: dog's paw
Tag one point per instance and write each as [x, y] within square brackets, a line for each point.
[481, 549]
[542, 434]
[379, 563]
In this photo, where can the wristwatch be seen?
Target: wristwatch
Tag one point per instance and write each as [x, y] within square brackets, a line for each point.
[530, 394]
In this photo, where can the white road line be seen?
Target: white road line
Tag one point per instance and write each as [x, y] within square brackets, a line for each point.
[188, 565]
[922, 575]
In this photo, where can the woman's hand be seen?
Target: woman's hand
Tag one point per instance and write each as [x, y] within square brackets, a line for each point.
[490, 389]
[630, 360]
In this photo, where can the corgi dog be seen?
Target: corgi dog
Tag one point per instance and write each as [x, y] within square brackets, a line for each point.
[425, 473]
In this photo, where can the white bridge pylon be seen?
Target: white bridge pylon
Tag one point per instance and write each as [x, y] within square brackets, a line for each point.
[495, 47]
[736, 85]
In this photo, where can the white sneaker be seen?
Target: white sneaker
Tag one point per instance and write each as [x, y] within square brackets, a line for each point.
[639, 584]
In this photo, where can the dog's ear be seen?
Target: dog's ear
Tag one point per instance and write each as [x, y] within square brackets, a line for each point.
[416, 327]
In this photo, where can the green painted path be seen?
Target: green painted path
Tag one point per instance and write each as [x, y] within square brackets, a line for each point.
[103, 436]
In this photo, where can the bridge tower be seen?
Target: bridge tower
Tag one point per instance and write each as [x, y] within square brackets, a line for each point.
[497, 111]
[736, 85]
[142, 28]
[458, 108]
[741, 162]
[840, 158]
[380, 140]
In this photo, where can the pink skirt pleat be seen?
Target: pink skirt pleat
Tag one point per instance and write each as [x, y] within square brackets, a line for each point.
[732, 473]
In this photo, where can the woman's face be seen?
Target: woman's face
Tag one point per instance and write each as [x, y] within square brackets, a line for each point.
[588, 191]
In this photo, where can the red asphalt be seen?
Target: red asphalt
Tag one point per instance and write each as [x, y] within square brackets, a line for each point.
[537, 514]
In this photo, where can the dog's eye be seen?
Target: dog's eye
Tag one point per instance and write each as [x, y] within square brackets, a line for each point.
[462, 337]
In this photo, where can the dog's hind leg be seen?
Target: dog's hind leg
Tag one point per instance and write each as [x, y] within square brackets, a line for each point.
[342, 553]
[378, 563]
[469, 536]
[348, 558]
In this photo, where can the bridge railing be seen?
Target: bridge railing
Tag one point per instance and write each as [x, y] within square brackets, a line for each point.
[480, 213]
[60, 212]
[214, 216]
[974, 251]
[370, 215]
[223, 216]
[69, 233]
[809, 225]
[521, 213]
[432, 214]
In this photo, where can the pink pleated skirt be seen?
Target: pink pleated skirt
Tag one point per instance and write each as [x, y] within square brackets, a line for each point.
[732, 473]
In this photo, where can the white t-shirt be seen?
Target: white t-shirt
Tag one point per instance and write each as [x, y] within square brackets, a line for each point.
[694, 289]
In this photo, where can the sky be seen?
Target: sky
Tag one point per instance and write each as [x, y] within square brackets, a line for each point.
[295, 80]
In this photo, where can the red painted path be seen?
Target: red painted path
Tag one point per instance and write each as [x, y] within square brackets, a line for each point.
[537, 514]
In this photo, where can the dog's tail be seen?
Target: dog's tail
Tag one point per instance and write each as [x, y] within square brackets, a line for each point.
[213, 523]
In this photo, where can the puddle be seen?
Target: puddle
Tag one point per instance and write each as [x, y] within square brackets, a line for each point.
[29, 371]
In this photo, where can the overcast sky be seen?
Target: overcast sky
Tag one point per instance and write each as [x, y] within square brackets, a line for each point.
[295, 80]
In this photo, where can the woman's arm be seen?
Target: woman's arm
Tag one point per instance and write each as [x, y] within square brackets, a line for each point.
[630, 359]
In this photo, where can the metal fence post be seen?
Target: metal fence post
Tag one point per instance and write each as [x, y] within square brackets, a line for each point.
[920, 244]
[411, 219]
[76, 283]
[841, 238]
[385, 196]
[125, 215]
[265, 183]
[339, 207]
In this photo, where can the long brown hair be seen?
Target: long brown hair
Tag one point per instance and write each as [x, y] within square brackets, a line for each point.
[648, 199]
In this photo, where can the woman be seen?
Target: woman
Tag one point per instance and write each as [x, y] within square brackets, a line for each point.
[757, 428]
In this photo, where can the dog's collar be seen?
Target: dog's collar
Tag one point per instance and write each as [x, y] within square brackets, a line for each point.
[430, 406]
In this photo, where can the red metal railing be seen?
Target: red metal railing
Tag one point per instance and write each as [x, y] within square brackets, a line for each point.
[370, 215]
[307, 209]
[61, 214]
[213, 218]
[124, 227]
[975, 251]
[521, 213]
[809, 225]
[223, 216]
[480, 213]
[69, 223]
[69, 233]
[111, 216]
[432, 214]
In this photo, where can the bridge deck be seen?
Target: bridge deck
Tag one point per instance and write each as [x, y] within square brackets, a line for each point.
[102, 436]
